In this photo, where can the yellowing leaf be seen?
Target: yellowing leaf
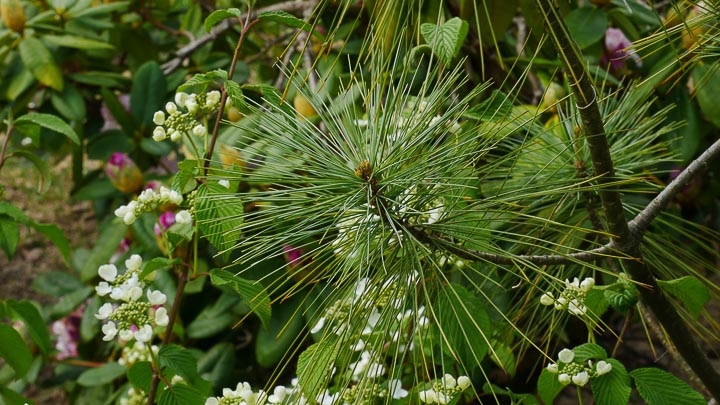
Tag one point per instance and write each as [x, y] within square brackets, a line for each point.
[38, 59]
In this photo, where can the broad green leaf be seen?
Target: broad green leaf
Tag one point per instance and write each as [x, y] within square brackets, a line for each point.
[38, 59]
[621, 296]
[612, 388]
[706, 78]
[148, 92]
[181, 394]
[315, 366]
[14, 350]
[548, 386]
[34, 322]
[13, 398]
[40, 165]
[69, 103]
[445, 39]
[588, 351]
[494, 17]
[105, 246]
[56, 283]
[100, 79]
[214, 318]
[140, 375]
[252, 292]
[118, 110]
[587, 25]
[50, 122]
[184, 180]
[97, 11]
[285, 18]
[463, 323]
[104, 374]
[76, 42]
[274, 342]
[180, 361]
[56, 236]
[690, 291]
[201, 81]
[9, 235]
[235, 93]
[218, 15]
[218, 218]
[217, 365]
[658, 387]
[70, 301]
[156, 264]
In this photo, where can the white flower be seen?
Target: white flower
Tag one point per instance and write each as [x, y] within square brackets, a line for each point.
[199, 131]
[463, 382]
[117, 293]
[108, 272]
[212, 401]
[161, 317]
[547, 299]
[191, 103]
[171, 108]
[213, 98]
[183, 217]
[318, 326]
[587, 284]
[428, 396]
[279, 394]
[573, 284]
[180, 98]
[560, 303]
[375, 370]
[159, 118]
[109, 330]
[396, 390]
[553, 368]
[103, 289]
[159, 134]
[566, 356]
[580, 378]
[224, 182]
[134, 262]
[564, 379]
[603, 367]
[358, 346]
[133, 293]
[144, 334]
[125, 335]
[104, 311]
[576, 308]
[156, 297]
[449, 381]
[175, 135]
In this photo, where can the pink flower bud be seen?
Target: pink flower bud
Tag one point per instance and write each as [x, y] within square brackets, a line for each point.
[123, 173]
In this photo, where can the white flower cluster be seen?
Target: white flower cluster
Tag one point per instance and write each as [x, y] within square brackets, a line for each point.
[578, 373]
[133, 396]
[444, 389]
[130, 317]
[243, 394]
[138, 352]
[149, 200]
[572, 298]
[180, 122]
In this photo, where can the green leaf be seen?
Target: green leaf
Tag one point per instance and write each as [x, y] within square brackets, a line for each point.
[13, 398]
[180, 361]
[218, 15]
[658, 387]
[89, 325]
[219, 219]
[104, 374]
[214, 318]
[56, 236]
[118, 111]
[622, 296]
[184, 180]
[588, 351]
[706, 78]
[56, 283]
[315, 367]
[40, 165]
[50, 122]
[38, 59]
[69, 302]
[275, 341]
[140, 375]
[76, 42]
[34, 322]
[181, 394]
[105, 246]
[100, 79]
[217, 365]
[463, 323]
[236, 95]
[445, 39]
[14, 350]
[587, 25]
[156, 264]
[252, 292]
[201, 81]
[148, 92]
[69, 103]
[612, 388]
[690, 291]
[9, 235]
[285, 18]
[497, 107]
[548, 386]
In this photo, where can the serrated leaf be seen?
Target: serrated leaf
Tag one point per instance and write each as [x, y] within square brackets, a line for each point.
[180, 361]
[104, 374]
[658, 387]
[50, 122]
[285, 18]
[236, 95]
[201, 81]
[219, 217]
[76, 42]
[587, 25]
[38, 59]
[445, 39]
[181, 394]
[14, 350]
[218, 15]
[462, 321]
[34, 321]
[621, 296]
[612, 388]
[315, 366]
[148, 92]
[275, 341]
[252, 292]
[690, 291]
[140, 375]
[588, 351]
[548, 386]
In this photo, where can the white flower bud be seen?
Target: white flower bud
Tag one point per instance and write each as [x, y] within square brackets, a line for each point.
[463, 382]
[213, 98]
[175, 135]
[564, 379]
[566, 356]
[199, 131]
[581, 378]
[180, 98]
[109, 330]
[552, 368]
[547, 299]
[572, 284]
[449, 381]
[603, 367]
[587, 284]
[171, 108]
[159, 118]
[159, 134]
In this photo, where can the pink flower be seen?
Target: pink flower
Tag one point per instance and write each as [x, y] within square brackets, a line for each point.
[165, 221]
[123, 173]
[67, 332]
[618, 48]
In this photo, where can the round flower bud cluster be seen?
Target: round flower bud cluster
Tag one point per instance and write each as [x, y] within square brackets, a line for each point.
[133, 396]
[569, 371]
[138, 352]
[444, 389]
[149, 200]
[572, 298]
[182, 115]
[131, 317]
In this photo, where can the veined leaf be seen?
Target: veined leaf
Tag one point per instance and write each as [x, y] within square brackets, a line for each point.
[180, 361]
[314, 366]
[38, 59]
[445, 39]
[588, 351]
[50, 122]
[218, 15]
[181, 394]
[203, 80]
[140, 375]
[283, 17]
[251, 291]
[690, 291]
[548, 386]
[9, 236]
[274, 341]
[658, 387]
[612, 388]
[219, 219]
